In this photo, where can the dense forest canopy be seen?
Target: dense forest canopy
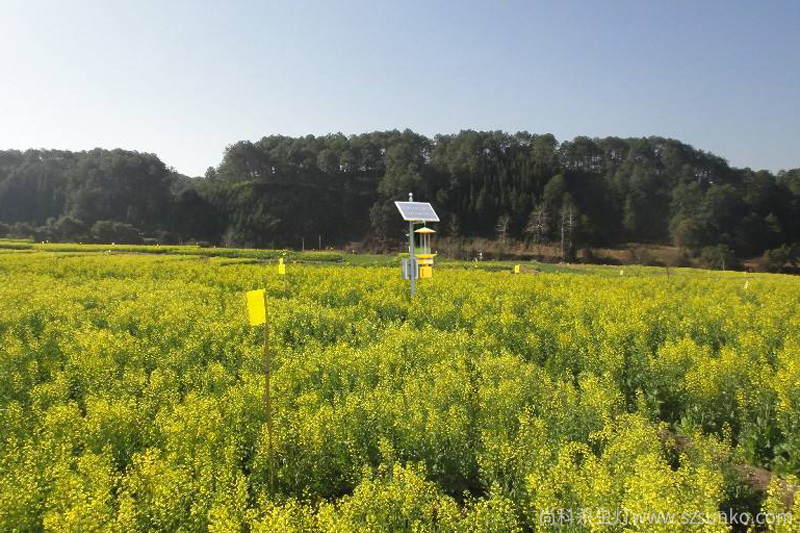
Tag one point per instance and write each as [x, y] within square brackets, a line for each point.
[523, 186]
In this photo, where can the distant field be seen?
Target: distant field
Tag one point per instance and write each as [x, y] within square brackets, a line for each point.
[335, 256]
[131, 393]
[21, 244]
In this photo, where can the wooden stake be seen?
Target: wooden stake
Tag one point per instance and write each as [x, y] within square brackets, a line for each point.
[268, 399]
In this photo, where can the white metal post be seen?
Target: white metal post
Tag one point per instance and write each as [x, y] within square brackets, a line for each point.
[411, 248]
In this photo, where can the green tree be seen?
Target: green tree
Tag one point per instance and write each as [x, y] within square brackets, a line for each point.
[538, 227]
[68, 228]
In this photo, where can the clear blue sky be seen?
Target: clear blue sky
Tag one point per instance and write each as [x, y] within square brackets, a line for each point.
[183, 79]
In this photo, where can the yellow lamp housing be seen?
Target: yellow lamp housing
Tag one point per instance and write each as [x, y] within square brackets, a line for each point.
[423, 251]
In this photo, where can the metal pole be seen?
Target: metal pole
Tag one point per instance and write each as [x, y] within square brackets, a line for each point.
[411, 255]
[412, 270]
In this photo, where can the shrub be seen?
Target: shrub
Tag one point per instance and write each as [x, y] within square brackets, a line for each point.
[777, 259]
[719, 257]
[67, 228]
[108, 231]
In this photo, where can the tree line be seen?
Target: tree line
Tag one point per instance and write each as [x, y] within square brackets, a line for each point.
[281, 190]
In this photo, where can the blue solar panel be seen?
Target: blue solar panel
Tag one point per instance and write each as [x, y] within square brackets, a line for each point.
[417, 211]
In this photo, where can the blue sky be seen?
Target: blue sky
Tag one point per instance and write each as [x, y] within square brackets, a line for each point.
[184, 79]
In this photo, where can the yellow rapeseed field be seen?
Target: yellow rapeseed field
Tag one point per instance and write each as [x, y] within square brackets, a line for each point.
[131, 397]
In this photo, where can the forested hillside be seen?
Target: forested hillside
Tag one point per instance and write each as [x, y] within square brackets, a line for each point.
[522, 186]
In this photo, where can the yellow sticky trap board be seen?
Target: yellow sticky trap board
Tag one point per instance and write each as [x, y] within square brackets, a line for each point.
[516, 269]
[281, 267]
[256, 310]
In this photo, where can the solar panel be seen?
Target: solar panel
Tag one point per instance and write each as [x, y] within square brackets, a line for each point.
[417, 211]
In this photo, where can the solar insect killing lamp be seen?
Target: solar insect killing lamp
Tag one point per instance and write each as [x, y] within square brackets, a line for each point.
[420, 261]
[423, 252]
